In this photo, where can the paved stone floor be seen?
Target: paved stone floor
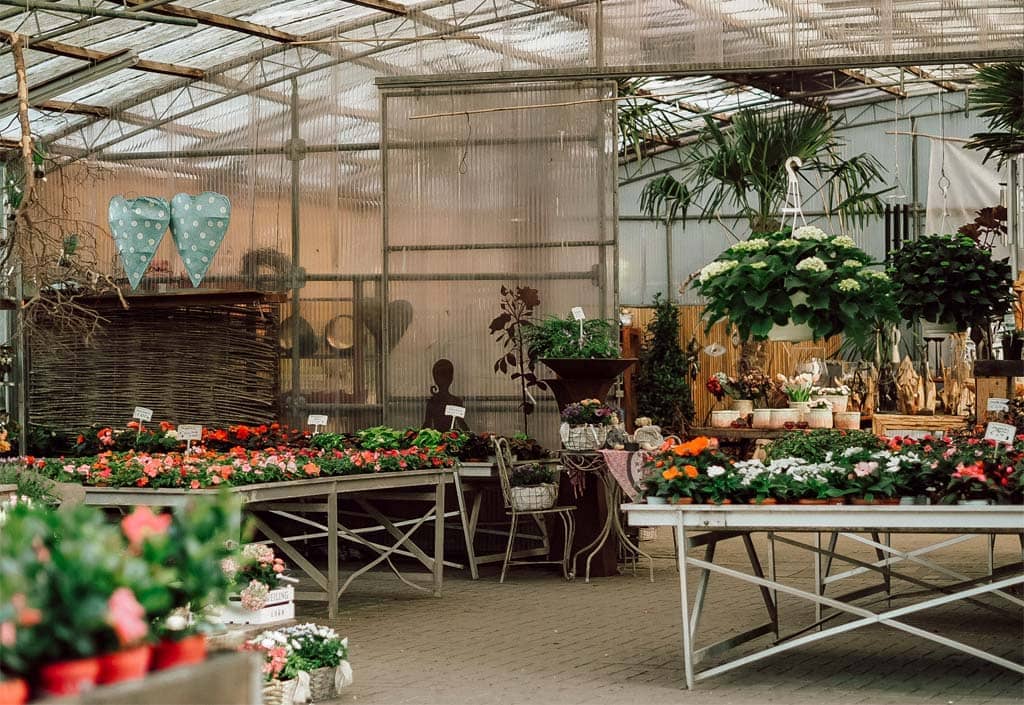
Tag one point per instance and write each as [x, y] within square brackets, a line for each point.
[537, 639]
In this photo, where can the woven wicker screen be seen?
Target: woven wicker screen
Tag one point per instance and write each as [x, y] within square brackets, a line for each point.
[213, 365]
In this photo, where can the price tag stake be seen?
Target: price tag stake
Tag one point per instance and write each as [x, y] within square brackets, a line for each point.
[577, 313]
[142, 414]
[1000, 432]
[189, 433]
[316, 421]
[456, 412]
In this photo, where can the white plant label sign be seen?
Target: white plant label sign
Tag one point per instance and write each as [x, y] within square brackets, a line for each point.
[317, 420]
[577, 313]
[997, 404]
[142, 414]
[458, 412]
[1000, 432]
[190, 432]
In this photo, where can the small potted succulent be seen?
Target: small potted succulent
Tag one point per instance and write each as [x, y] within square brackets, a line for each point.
[533, 486]
[951, 282]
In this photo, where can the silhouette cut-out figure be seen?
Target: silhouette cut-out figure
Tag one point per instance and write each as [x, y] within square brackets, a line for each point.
[441, 396]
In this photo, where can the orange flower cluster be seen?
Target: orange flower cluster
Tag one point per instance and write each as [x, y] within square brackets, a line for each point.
[692, 447]
[673, 472]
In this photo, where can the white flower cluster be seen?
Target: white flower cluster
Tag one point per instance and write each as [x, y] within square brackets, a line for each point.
[716, 268]
[855, 263]
[715, 470]
[875, 274]
[832, 391]
[849, 285]
[788, 242]
[302, 640]
[753, 245]
[758, 265]
[809, 232]
[811, 264]
[843, 241]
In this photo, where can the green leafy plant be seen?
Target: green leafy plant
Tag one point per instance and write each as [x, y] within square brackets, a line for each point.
[662, 378]
[729, 165]
[555, 337]
[531, 474]
[380, 438]
[518, 361]
[949, 279]
[804, 276]
[998, 94]
[816, 446]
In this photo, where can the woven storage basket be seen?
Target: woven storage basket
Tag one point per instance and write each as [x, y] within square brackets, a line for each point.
[534, 497]
[587, 437]
[321, 683]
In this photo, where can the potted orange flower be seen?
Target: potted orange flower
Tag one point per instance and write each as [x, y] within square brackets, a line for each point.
[677, 471]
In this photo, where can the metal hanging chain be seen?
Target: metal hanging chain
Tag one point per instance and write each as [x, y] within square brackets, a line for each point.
[793, 205]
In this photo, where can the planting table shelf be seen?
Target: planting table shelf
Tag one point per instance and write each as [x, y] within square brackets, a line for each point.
[223, 679]
[697, 525]
[295, 500]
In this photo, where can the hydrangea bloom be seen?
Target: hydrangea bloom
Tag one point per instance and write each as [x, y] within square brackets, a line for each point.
[788, 242]
[752, 245]
[716, 268]
[875, 274]
[856, 263]
[811, 264]
[843, 241]
[849, 285]
[759, 265]
[809, 232]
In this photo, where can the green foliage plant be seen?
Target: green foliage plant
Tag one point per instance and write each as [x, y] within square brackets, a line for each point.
[815, 446]
[661, 380]
[554, 337]
[998, 95]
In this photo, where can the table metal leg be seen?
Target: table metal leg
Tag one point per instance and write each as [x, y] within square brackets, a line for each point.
[439, 537]
[614, 493]
[332, 554]
[819, 586]
[684, 602]
[773, 576]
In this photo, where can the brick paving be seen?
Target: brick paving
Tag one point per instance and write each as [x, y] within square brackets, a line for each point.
[537, 639]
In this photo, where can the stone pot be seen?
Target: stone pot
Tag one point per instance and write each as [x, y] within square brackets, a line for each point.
[819, 418]
[762, 418]
[780, 417]
[723, 418]
[744, 406]
[847, 420]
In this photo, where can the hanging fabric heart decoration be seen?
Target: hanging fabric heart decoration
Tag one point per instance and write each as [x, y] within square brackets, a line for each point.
[198, 226]
[138, 226]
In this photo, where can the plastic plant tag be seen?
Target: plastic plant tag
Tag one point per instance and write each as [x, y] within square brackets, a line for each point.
[997, 404]
[142, 414]
[1000, 432]
[190, 432]
[458, 412]
[577, 313]
[198, 226]
[316, 420]
[138, 226]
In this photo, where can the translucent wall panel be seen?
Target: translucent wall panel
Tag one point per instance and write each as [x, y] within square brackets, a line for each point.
[511, 197]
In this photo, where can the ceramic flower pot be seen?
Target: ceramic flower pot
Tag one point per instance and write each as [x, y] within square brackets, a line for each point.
[838, 402]
[13, 692]
[656, 500]
[803, 406]
[780, 417]
[819, 418]
[723, 418]
[127, 665]
[974, 502]
[187, 651]
[68, 677]
[792, 332]
[847, 420]
[743, 406]
[762, 418]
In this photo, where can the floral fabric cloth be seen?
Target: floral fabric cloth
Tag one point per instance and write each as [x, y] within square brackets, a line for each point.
[627, 467]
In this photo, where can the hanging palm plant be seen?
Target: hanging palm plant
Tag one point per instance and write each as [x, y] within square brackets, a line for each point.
[999, 95]
[742, 165]
[644, 120]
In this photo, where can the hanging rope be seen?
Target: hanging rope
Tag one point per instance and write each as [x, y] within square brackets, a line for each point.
[944, 181]
[793, 206]
[897, 190]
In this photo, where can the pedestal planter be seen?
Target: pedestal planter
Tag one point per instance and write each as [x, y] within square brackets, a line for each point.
[68, 677]
[127, 665]
[584, 379]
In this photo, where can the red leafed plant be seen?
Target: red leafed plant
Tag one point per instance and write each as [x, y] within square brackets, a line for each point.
[517, 309]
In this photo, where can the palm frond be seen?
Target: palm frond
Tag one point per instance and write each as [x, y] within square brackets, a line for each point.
[998, 95]
[665, 197]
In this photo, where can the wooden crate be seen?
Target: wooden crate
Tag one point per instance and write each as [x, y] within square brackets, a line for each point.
[904, 425]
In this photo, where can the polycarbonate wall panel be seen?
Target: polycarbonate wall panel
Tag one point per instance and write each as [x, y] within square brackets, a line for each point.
[511, 198]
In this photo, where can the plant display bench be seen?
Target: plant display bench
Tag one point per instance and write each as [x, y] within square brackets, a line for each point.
[297, 502]
[223, 679]
[696, 525]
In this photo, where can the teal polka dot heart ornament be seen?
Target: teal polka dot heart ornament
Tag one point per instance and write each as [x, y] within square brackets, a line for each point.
[138, 225]
[198, 226]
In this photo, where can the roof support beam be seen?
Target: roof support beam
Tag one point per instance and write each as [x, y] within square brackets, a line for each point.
[944, 85]
[212, 20]
[98, 12]
[61, 49]
[382, 5]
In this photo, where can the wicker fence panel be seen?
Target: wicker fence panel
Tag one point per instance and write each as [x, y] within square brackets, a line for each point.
[213, 365]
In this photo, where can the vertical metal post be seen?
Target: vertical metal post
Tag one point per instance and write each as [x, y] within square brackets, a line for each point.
[439, 535]
[668, 259]
[296, 153]
[915, 191]
[597, 36]
[684, 599]
[602, 227]
[385, 323]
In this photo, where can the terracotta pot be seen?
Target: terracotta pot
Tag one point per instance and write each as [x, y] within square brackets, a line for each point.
[13, 692]
[68, 677]
[188, 651]
[876, 500]
[848, 420]
[724, 501]
[680, 500]
[808, 500]
[766, 500]
[836, 500]
[127, 665]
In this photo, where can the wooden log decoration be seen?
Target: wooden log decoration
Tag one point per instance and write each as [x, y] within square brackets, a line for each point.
[957, 397]
[908, 387]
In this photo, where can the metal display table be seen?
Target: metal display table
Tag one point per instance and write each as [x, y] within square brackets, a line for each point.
[291, 501]
[697, 525]
[584, 462]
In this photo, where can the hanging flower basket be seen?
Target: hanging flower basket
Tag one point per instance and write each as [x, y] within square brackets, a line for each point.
[534, 497]
[584, 437]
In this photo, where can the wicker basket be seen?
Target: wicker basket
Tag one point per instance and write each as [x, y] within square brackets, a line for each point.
[534, 497]
[321, 683]
[586, 437]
